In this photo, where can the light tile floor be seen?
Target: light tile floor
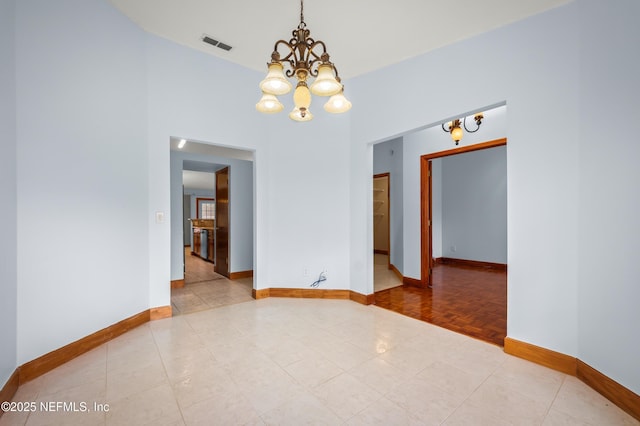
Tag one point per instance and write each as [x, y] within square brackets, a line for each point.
[210, 294]
[306, 361]
[206, 293]
[206, 289]
[383, 277]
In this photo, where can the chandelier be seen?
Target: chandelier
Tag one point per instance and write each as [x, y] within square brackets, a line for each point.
[453, 127]
[304, 58]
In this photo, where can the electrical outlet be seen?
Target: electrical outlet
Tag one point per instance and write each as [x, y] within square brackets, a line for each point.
[453, 249]
[305, 271]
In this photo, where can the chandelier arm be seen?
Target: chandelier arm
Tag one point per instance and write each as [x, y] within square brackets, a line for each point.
[312, 44]
[448, 131]
[312, 57]
[464, 123]
[313, 71]
[288, 55]
[287, 58]
[307, 53]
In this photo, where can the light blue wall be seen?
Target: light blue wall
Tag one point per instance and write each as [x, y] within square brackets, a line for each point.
[474, 205]
[308, 201]
[8, 193]
[387, 158]
[81, 171]
[202, 98]
[240, 210]
[609, 189]
[533, 67]
[566, 76]
[83, 102]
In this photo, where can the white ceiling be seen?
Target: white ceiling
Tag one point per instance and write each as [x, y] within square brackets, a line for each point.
[360, 35]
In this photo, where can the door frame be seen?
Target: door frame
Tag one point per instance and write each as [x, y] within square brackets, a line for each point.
[426, 248]
[388, 213]
[226, 170]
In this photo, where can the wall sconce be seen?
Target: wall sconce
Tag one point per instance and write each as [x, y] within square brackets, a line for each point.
[453, 127]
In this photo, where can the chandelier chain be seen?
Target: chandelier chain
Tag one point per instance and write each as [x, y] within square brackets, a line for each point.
[302, 23]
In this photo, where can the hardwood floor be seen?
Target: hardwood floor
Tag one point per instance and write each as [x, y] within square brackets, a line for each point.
[470, 301]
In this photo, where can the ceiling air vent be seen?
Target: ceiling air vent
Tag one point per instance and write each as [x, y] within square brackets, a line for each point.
[216, 43]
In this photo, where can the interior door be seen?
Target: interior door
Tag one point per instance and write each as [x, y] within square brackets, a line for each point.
[426, 223]
[381, 213]
[222, 222]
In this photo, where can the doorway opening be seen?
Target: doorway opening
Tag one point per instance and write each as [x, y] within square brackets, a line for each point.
[198, 183]
[384, 275]
[462, 285]
[426, 211]
[212, 190]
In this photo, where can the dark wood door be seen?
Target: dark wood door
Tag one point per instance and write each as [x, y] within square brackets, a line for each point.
[222, 222]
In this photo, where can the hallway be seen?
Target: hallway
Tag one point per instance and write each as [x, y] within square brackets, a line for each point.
[206, 289]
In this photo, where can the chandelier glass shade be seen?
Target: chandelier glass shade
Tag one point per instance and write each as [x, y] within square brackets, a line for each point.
[325, 83]
[304, 58]
[269, 104]
[337, 104]
[275, 83]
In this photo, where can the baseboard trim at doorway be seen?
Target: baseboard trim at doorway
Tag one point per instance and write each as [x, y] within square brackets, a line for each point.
[554, 360]
[161, 312]
[240, 274]
[621, 396]
[312, 293]
[412, 282]
[260, 294]
[471, 263]
[363, 299]
[177, 283]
